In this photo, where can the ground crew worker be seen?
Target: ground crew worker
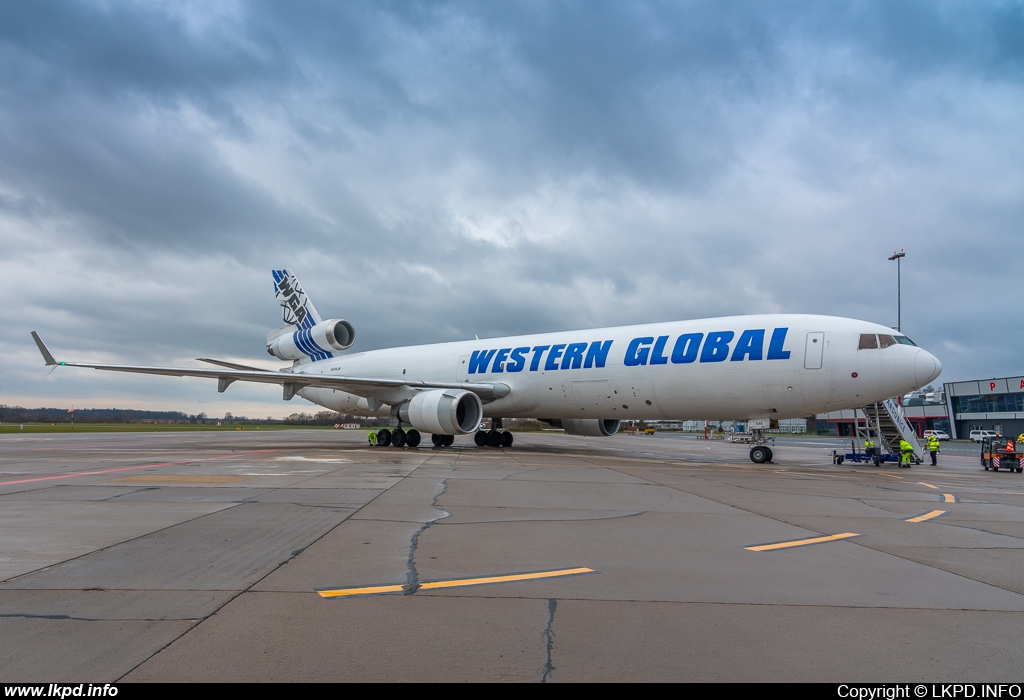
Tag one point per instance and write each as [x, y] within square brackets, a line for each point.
[372, 437]
[869, 447]
[933, 447]
[906, 454]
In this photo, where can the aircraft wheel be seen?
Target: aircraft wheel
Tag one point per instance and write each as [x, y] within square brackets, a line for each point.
[506, 439]
[760, 455]
[449, 440]
[383, 437]
[435, 439]
[480, 438]
[398, 438]
[412, 438]
[493, 438]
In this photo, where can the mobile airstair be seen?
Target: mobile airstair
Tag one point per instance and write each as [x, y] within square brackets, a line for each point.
[886, 425]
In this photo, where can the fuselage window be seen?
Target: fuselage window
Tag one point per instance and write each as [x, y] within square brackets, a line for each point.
[886, 340]
[868, 341]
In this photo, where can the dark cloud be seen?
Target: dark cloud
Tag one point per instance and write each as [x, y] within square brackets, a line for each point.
[435, 171]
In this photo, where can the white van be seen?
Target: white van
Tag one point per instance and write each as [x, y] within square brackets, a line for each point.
[979, 435]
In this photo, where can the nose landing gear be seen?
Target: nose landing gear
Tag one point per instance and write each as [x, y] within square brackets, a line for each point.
[760, 453]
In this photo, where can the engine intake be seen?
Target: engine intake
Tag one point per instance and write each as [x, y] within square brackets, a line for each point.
[443, 411]
[590, 427]
[315, 343]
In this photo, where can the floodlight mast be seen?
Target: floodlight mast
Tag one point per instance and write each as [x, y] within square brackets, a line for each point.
[899, 302]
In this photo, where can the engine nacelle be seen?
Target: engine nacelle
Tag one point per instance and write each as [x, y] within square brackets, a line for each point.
[315, 343]
[443, 411]
[590, 427]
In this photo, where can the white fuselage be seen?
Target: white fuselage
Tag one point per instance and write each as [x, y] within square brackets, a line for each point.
[768, 366]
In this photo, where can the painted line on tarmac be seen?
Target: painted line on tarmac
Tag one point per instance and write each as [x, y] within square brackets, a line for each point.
[926, 516]
[451, 583]
[128, 469]
[802, 543]
[948, 498]
[928, 485]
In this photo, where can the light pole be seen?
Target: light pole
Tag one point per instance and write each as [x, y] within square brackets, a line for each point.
[899, 316]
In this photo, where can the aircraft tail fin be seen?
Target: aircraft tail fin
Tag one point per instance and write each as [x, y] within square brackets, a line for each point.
[297, 310]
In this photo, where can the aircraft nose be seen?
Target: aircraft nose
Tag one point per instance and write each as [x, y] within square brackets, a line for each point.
[926, 368]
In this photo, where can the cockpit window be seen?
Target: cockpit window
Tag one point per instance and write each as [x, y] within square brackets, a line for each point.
[868, 341]
[886, 340]
[904, 340]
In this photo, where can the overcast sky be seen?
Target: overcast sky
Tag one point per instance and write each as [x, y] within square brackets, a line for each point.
[437, 170]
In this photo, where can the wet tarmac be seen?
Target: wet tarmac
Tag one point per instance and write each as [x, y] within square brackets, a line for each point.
[308, 556]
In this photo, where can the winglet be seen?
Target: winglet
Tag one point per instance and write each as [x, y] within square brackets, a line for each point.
[42, 348]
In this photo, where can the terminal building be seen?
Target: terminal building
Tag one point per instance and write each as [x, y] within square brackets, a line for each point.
[985, 404]
[980, 404]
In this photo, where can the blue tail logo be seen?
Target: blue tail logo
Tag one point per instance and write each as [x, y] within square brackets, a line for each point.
[296, 308]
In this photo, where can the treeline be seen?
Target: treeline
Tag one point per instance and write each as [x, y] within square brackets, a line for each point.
[17, 414]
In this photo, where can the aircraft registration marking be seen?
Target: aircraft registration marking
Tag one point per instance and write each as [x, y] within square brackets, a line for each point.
[926, 516]
[802, 543]
[451, 583]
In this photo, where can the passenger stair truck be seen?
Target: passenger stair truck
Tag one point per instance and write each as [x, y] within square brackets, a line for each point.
[886, 425]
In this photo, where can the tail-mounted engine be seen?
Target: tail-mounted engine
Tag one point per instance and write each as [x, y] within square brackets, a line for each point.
[443, 411]
[316, 342]
[588, 427]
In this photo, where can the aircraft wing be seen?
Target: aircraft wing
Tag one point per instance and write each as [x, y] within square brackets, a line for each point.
[383, 389]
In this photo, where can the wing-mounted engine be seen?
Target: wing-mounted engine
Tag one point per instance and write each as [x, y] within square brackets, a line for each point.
[443, 411]
[588, 427]
[318, 342]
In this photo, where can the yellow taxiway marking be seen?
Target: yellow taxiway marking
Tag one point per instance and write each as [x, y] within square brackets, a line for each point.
[926, 516]
[454, 583]
[801, 543]
[891, 476]
[948, 498]
[928, 485]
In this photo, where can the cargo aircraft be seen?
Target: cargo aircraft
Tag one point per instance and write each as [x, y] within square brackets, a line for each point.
[753, 368]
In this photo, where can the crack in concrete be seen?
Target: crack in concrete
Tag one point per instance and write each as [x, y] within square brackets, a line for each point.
[34, 616]
[412, 577]
[549, 636]
[129, 493]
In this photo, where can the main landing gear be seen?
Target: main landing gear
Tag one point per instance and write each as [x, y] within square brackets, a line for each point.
[398, 437]
[442, 440]
[495, 437]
